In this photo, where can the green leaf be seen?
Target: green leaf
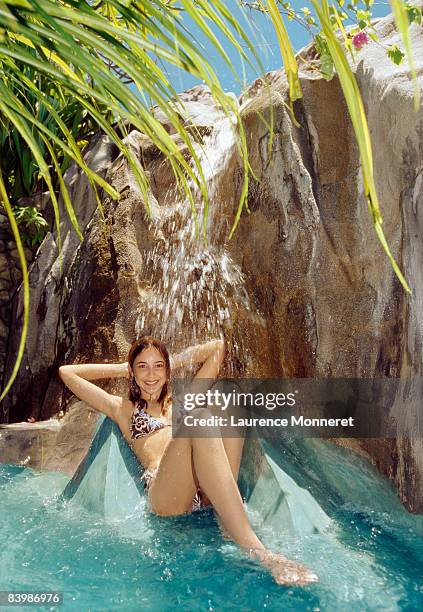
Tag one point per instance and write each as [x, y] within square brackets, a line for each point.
[395, 53]
[288, 56]
[25, 281]
[402, 23]
[414, 13]
[327, 67]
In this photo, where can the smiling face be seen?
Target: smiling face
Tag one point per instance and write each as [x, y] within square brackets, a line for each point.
[149, 369]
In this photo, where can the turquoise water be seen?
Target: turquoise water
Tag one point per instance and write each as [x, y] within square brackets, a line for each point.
[371, 557]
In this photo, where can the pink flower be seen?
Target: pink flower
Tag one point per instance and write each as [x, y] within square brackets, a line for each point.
[360, 39]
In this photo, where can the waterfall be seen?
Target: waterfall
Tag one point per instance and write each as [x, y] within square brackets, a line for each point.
[194, 288]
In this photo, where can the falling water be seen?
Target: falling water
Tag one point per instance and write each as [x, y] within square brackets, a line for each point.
[194, 290]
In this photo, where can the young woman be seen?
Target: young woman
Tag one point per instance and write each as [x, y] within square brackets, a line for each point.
[186, 473]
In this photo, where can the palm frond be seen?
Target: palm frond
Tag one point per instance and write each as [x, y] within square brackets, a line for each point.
[358, 118]
[70, 48]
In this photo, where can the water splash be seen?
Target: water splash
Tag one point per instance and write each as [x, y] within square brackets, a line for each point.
[193, 290]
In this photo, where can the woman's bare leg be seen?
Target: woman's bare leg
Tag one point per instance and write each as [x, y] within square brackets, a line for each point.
[233, 449]
[173, 489]
[216, 479]
[223, 492]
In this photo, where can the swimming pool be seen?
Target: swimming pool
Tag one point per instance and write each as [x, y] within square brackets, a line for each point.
[369, 558]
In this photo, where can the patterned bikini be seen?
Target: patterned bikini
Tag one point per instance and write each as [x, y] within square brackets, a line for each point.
[143, 424]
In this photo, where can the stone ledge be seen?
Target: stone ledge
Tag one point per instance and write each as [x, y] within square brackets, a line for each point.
[26, 444]
[51, 424]
[53, 445]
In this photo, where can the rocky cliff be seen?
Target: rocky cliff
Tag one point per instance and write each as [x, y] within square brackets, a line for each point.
[303, 289]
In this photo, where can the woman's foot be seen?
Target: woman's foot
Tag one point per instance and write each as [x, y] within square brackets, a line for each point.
[31, 419]
[283, 570]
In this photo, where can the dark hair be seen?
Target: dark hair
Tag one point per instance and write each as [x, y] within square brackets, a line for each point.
[134, 391]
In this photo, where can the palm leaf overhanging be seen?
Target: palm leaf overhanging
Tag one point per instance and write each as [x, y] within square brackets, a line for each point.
[64, 74]
[352, 97]
[66, 59]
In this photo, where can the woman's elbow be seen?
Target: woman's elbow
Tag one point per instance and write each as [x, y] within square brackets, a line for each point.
[63, 370]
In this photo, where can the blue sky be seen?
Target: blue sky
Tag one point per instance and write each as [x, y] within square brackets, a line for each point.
[260, 29]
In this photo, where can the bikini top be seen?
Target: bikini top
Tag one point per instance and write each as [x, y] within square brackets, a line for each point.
[143, 424]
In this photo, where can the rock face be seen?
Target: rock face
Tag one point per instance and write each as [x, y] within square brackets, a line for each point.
[335, 308]
[52, 445]
[320, 298]
[36, 379]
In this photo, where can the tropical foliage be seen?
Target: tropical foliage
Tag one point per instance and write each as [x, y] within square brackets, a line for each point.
[65, 66]
[357, 13]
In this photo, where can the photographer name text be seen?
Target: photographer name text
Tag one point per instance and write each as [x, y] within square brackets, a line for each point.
[294, 421]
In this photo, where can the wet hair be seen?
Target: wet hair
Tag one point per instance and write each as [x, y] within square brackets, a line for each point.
[137, 347]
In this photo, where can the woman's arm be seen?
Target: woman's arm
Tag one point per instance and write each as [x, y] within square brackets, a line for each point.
[77, 376]
[210, 354]
[199, 353]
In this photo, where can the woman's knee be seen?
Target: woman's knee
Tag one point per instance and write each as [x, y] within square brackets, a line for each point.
[169, 507]
[165, 511]
[199, 423]
[205, 425]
